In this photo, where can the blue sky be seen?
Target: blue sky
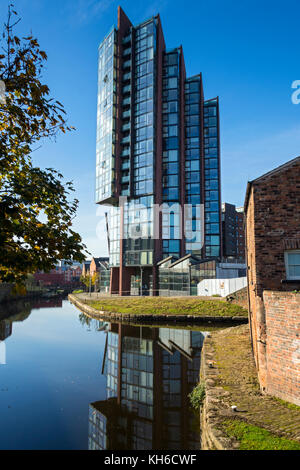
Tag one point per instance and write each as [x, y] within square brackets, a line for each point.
[247, 51]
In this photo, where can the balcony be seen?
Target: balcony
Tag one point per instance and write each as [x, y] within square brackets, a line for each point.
[126, 89]
[126, 114]
[125, 140]
[127, 39]
[125, 192]
[126, 76]
[126, 152]
[125, 179]
[126, 127]
[126, 101]
[127, 64]
[127, 52]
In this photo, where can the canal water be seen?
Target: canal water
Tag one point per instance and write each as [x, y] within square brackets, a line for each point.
[70, 382]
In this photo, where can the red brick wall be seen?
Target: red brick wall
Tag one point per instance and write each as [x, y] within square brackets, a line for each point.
[272, 226]
[276, 219]
[282, 310]
[50, 279]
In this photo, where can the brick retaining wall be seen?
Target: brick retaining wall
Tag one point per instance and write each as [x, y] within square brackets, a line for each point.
[282, 310]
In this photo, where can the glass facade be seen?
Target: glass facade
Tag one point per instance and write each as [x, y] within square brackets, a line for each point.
[171, 155]
[193, 109]
[106, 112]
[212, 179]
[158, 368]
[144, 122]
[137, 376]
[104, 279]
[182, 277]
[114, 236]
[112, 364]
[138, 212]
[166, 132]
[138, 232]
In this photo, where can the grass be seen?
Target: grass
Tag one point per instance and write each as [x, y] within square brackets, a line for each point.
[171, 306]
[255, 438]
[291, 406]
[197, 396]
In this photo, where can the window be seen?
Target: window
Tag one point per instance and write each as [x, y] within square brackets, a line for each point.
[292, 264]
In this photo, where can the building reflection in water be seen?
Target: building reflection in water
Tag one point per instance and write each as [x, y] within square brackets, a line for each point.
[150, 372]
[5, 329]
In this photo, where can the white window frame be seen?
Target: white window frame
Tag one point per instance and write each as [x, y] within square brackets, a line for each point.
[288, 276]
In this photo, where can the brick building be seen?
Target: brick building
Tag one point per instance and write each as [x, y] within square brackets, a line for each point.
[86, 268]
[98, 265]
[273, 259]
[60, 276]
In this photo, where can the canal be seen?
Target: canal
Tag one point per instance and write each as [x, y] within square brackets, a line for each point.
[70, 382]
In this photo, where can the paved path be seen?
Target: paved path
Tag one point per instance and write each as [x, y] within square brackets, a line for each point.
[237, 374]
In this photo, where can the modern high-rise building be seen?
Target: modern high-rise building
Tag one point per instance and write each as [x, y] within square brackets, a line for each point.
[233, 232]
[158, 145]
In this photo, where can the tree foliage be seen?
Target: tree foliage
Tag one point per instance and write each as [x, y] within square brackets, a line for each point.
[90, 280]
[36, 212]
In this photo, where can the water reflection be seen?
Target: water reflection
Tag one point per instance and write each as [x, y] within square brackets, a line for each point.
[109, 385]
[149, 374]
[5, 329]
[19, 310]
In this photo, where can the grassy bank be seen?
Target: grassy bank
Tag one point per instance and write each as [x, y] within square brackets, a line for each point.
[167, 305]
[255, 438]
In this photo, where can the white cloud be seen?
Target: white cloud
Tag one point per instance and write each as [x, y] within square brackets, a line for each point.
[154, 8]
[85, 10]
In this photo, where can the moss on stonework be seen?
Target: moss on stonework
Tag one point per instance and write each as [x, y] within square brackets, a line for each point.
[255, 438]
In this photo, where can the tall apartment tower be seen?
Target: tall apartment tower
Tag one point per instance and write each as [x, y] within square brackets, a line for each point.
[157, 144]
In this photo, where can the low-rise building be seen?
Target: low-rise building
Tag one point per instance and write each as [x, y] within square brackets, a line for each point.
[273, 259]
[86, 268]
[180, 277]
[100, 266]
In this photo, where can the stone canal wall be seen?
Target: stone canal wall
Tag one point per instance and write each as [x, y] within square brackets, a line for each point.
[150, 318]
[213, 412]
[240, 298]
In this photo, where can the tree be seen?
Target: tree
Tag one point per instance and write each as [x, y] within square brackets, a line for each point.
[36, 212]
[86, 281]
[95, 280]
